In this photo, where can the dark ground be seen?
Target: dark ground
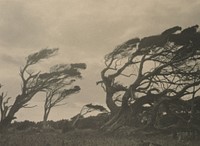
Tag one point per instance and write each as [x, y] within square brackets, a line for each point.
[88, 137]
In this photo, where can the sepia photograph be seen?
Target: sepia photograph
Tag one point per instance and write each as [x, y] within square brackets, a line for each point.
[99, 73]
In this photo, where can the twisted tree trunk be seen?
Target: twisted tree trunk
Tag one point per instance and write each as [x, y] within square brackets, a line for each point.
[18, 104]
[45, 117]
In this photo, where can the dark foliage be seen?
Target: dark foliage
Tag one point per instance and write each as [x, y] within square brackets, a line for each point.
[23, 125]
[67, 127]
[93, 122]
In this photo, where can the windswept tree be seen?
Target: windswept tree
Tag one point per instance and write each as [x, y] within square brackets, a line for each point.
[62, 88]
[88, 108]
[162, 74]
[34, 82]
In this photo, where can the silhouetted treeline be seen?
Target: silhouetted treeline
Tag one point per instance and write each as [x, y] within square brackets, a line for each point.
[92, 122]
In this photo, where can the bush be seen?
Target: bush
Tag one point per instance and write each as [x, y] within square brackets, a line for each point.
[67, 126]
[92, 122]
[23, 125]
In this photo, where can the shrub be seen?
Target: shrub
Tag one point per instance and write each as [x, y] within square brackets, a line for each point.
[23, 125]
[67, 126]
[92, 122]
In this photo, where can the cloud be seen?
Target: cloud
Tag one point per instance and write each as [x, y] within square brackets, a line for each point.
[7, 59]
[19, 28]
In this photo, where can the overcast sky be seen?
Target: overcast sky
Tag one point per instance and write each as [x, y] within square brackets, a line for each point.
[84, 31]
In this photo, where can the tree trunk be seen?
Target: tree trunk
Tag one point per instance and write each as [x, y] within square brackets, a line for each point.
[76, 120]
[111, 104]
[120, 119]
[3, 115]
[127, 115]
[45, 117]
[109, 93]
[5, 123]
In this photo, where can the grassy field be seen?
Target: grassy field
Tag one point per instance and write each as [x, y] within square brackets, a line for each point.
[86, 138]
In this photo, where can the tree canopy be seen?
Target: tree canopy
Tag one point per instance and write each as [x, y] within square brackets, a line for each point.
[34, 82]
[162, 74]
[62, 87]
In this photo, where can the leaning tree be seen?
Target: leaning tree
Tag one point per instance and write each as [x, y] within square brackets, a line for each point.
[88, 108]
[57, 92]
[154, 78]
[34, 82]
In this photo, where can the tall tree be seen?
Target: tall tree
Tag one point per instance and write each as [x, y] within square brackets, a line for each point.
[58, 92]
[34, 82]
[162, 71]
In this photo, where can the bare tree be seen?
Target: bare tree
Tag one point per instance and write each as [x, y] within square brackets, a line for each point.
[4, 104]
[57, 92]
[162, 70]
[35, 82]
